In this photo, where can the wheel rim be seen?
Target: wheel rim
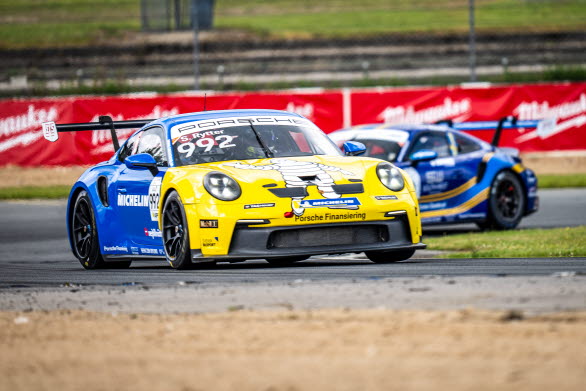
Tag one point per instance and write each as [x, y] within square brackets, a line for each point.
[82, 229]
[173, 232]
[508, 199]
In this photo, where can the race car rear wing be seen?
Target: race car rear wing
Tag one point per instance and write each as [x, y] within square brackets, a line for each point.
[510, 122]
[51, 130]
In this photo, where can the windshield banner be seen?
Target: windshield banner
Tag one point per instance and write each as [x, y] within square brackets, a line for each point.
[22, 142]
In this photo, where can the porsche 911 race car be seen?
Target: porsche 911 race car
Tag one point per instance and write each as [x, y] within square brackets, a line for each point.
[458, 177]
[236, 185]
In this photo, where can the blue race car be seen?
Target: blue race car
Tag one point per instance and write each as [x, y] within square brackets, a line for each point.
[459, 178]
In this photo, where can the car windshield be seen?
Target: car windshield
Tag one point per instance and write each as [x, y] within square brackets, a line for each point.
[249, 141]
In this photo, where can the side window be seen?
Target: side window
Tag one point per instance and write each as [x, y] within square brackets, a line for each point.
[151, 142]
[434, 142]
[129, 148]
[465, 144]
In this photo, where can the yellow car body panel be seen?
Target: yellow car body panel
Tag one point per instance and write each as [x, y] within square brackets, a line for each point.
[258, 176]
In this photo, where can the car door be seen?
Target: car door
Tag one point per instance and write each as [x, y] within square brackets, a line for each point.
[138, 192]
[468, 157]
[437, 176]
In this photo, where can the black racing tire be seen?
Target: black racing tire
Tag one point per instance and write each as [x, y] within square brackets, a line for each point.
[389, 256]
[176, 233]
[84, 236]
[506, 202]
[286, 261]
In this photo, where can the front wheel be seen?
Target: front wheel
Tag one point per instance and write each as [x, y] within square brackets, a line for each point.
[176, 233]
[506, 202]
[389, 256]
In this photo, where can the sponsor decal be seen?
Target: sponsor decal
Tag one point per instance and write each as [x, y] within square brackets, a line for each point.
[300, 174]
[149, 251]
[332, 217]
[207, 125]
[134, 250]
[254, 206]
[332, 203]
[116, 248]
[208, 223]
[133, 200]
[140, 200]
[434, 176]
[443, 162]
[153, 233]
[432, 205]
[386, 198]
[209, 242]
[472, 215]
[408, 114]
[154, 197]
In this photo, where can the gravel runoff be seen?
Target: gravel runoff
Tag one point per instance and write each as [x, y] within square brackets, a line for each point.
[534, 294]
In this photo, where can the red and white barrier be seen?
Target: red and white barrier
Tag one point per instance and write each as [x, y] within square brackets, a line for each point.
[22, 142]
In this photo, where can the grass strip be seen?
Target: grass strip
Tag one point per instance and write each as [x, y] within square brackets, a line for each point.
[556, 242]
[555, 181]
[36, 23]
[34, 192]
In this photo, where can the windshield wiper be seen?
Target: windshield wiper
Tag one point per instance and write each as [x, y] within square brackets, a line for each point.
[264, 147]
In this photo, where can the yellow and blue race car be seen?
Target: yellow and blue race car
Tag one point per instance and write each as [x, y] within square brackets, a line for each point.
[235, 185]
[458, 177]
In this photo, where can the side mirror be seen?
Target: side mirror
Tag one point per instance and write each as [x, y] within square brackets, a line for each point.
[424, 155]
[354, 148]
[142, 160]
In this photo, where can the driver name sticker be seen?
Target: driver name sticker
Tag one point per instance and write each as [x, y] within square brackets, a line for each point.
[154, 197]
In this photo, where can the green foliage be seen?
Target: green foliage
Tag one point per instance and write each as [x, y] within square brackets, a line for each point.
[557, 242]
[38, 23]
[34, 192]
[561, 181]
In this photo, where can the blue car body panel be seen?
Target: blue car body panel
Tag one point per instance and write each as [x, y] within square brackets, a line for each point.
[452, 189]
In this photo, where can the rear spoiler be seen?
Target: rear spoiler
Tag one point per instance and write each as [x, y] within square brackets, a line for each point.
[510, 122]
[51, 130]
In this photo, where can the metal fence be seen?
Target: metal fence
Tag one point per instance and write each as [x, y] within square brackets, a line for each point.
[287, 43]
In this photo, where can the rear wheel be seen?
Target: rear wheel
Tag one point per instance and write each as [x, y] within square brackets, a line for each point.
[389, 256]
[84, 236]
[506, 202]
[176, 233]
[285, 261]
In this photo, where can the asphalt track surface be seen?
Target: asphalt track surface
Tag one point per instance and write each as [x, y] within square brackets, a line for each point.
[34, 252]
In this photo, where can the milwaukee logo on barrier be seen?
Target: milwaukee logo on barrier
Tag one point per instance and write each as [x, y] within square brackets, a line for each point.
[408, 114]
[563, 105]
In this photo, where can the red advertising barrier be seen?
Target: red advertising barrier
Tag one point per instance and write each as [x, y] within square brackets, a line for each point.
[566, 103]
[22, 143]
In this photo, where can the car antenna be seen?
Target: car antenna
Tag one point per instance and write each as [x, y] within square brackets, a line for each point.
[205, 98]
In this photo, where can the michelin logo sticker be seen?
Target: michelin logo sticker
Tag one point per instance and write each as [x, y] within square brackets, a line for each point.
[299, 174]
[151, 200]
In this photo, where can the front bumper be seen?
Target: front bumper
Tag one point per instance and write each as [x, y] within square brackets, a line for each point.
[259, 242]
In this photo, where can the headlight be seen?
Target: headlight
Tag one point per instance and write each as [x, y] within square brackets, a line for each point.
[390, 176]
[221, 186]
